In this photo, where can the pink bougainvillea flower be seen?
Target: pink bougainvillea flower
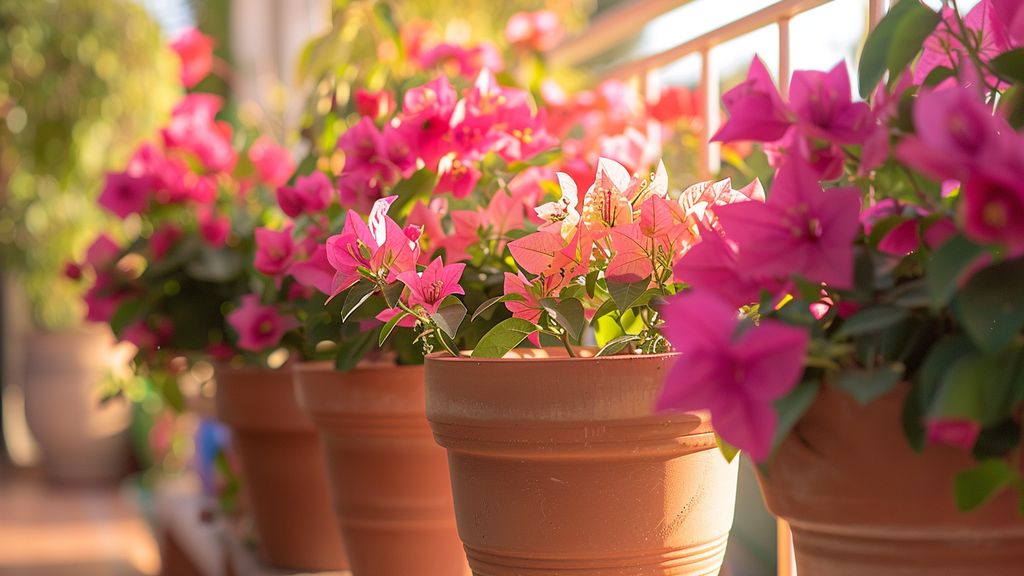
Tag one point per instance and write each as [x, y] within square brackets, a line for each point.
[632, 147]
[993, 204]
[697, 204]
[824, 108]
[901, 240]
[194, 128]
[561, 215]
[605, 204]
[944, 49]
[529, 307]
[430, 287]
[955, 130]
[536, 252]
[457, 175]
[801, 230]
[259, 327]
[398, 144]
[756, 111]
[310, 194]
[712, 265]
[274, 251]
[274, 164]
[427, 216]
[1007, 21]
[214, 228]
[736, 375]
[960, 433]
[632, 260]
[195, 50]
[466, 231]
[428, 109]
[674, 103]
[823, 156]
[537, 31]
[163, 240]
[315, 271]
[387, 314]
[380, 246]
[378, 104]
[123, 194]
[349, 251]
[102, 253]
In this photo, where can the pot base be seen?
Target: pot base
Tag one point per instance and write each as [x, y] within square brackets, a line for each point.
[968, 552]
[701, 560]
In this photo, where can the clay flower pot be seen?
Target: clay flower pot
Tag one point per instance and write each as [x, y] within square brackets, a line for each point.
[860, 501]
[82, 440]
[389, 480]
[559, 466]
[282, 468]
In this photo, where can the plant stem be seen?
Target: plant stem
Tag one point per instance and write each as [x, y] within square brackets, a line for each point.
[568, 346]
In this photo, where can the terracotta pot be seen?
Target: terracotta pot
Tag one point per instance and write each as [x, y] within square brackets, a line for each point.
[282, 468]
[389, 479]
[860, 501]
[559, 466]
[80, 439]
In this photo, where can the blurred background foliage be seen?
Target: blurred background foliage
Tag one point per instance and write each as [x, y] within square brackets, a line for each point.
[81, 82]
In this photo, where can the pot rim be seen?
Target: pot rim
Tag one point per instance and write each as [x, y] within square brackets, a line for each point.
[309, 366]
[559, 356]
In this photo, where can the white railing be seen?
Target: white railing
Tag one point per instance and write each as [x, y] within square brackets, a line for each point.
[621, 23]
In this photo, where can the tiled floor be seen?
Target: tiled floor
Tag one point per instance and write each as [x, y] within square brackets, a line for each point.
[60, 531]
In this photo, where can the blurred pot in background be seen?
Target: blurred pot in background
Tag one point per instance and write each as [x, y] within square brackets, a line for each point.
[81, 437]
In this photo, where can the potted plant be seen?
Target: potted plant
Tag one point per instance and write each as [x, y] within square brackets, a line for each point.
[55, 152]
[184, 290]
[540, 439]
[435, 157]
[874, 369]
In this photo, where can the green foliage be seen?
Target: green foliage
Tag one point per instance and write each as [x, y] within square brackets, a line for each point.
[81, 81]
[505, 336]
[895, 43]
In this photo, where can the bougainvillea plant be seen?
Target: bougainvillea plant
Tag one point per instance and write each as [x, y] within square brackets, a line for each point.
[603, 258]
[888, 254]
[448, 176]
[191, 198]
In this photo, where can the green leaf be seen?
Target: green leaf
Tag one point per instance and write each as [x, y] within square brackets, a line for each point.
[947, 265]
[393, 293]
[1010, 65]
[871, 320]
[389, 326]
[992, 305]
[626, 293]
[792, 407]
[998, 441]
[419, 186]
[938, 75]
[978, 485]
[351, 351]
[490, 302]
[356, 296]
[867, 385]
[505, 336]
[603, 310]
[616, 345]
[980, 388]
[449, 316]
[895, 42]
[591, 282]
[568, 314]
